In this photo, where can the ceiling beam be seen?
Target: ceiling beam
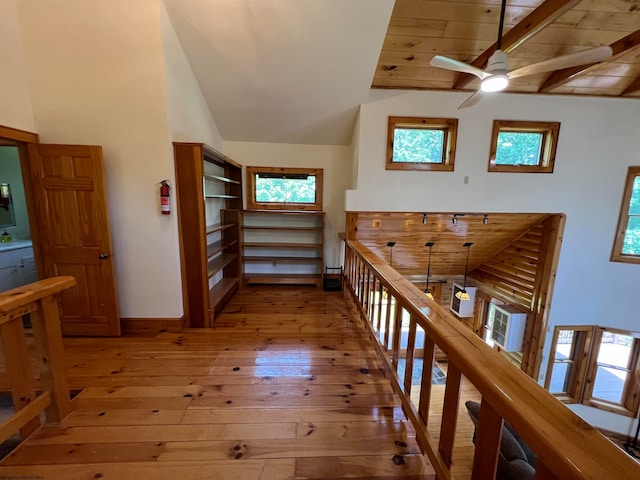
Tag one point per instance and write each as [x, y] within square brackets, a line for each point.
[632, 88]
[531, 25]
[620, 48]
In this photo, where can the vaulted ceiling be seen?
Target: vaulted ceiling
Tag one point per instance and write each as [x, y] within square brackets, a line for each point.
[535, 30]
[296, 71]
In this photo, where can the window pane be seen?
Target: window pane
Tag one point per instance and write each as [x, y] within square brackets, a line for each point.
[559, 376]
[609, 384]
[286, 190]
[634, 204]
[615, 349]
[518, 148]
[418, 145]
[563, 347]
[631, 244]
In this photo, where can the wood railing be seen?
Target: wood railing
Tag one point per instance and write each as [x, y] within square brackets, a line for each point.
[40, 300]
[397, 313]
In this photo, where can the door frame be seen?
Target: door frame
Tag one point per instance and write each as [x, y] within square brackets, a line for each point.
[21, 139]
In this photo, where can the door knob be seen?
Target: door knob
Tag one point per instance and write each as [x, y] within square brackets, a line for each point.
[103, 255]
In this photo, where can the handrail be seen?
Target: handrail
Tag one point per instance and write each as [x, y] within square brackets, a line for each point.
[566, 446]
[39, 299]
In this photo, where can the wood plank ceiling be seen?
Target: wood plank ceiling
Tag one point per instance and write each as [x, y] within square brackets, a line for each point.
[410, 256]
[535, 30]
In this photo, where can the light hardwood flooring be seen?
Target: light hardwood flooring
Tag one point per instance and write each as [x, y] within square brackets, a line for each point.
[287, 385]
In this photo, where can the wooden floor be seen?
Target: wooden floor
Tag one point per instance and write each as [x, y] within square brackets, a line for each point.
[285, 386]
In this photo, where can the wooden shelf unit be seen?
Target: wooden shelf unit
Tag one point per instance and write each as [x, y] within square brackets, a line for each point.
[282, 247]
[209, 199]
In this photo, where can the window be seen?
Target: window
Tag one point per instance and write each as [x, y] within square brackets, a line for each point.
[611, 380]
[626, 247]
[284, 188]
[415, 143]
[596, 366]
[523, 147]
[568, 365]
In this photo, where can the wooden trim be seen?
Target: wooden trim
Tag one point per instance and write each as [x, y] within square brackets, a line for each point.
[531, 25]
[561, 77]
[633, 87]
[448, 125]
[150, 327]
[550, 132]
[623, 220]
[630, 398]
[18, 135]
[252, 204]
[579, 355]
[538, 320]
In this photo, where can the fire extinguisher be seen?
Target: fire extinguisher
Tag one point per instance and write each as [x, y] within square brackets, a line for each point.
[165, 204]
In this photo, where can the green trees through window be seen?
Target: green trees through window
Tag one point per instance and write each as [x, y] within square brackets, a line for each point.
[418, 145]
[518, 148]
[421, 143]
[286, 190]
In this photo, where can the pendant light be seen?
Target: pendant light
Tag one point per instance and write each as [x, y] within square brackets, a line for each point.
[462, 294]
[426, 289]
[390, 245]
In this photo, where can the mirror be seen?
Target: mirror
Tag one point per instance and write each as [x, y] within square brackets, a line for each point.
[7, 218]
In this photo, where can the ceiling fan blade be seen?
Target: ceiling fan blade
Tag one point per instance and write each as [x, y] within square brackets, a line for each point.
[592, 55]
[457, 66]
[472, 100]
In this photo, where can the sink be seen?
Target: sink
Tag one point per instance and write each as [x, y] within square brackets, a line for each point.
[14, 245]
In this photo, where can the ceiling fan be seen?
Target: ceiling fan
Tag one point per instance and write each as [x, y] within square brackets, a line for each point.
[495, 77]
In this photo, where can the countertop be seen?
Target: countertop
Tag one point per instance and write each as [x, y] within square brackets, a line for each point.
[14, 245]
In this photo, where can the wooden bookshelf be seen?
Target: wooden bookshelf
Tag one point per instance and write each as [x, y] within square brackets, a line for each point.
[209, 198]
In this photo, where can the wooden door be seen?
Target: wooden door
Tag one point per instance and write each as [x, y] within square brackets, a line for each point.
[67, 186]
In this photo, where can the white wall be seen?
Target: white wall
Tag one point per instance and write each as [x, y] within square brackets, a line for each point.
[96, 76]
[188, 115]
[335, 162]
[599, 138]
[15, 100]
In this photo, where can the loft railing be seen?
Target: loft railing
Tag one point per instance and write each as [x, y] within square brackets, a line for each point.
[40, 300]
[398, 313]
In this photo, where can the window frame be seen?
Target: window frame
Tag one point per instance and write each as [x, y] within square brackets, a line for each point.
[623, 220]
[579, 359]
[550, 132]
[630, 400]
[448, 125]
[252, 204]
[585, 361]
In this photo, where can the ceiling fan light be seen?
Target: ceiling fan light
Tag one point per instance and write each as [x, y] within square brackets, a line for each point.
[495, 83]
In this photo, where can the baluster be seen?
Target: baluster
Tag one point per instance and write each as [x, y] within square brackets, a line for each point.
[408, 367]
[427, 373]
[53, 376]
[387, 322]
[397, 327]
[16, 357]
[371, 306]
[449, 413]
[367, 289]
[488, 436]
[379, 319]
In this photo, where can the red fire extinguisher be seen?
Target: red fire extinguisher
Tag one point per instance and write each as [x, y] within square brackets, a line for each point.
[165, 204]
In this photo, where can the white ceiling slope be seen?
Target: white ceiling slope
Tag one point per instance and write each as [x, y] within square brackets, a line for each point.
[283, 71]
